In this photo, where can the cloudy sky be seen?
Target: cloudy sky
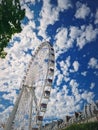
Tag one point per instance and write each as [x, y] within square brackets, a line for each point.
[71, 26]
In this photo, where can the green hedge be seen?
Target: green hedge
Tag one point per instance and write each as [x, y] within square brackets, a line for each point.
[85, 126]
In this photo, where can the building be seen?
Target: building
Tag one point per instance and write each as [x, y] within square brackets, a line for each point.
[90, 112]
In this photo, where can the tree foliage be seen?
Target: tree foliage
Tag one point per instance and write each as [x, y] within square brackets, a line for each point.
[11, 15]
[84, 126]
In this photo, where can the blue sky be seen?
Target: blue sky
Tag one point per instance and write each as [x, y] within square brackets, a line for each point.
[72, 28]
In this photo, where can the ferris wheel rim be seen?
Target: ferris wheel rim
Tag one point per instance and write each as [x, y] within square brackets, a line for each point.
[50, 71]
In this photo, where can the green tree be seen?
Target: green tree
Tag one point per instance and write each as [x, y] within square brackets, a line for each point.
[11, 15]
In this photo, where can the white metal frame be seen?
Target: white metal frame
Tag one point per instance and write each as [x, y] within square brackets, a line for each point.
[27, 86]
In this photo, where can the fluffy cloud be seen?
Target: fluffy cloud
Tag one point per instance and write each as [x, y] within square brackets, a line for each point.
[59, 79]
[61, 38]
[92, 85]
[73, 83]
[63, 73]
[82, 11]
[49, 14]
[62, 104]
[64, 66]
[93, 63]
[83, 35]
[96, 17]
[74, 32]
[84, 73]
[87, 35]
[62, 42]
[29, 14]
[64, 4]
[88, 96]
[75, 90]
[76, 66]
[65, 38]
[58, 107]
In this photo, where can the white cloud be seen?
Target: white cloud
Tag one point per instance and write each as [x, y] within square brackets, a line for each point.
[88, 96]
[57, 71]
[87, 35]
[92, 85]
[76, 66]
[74, 32]
[63, 74]
[84, 73]
[62, 104]
[74, 88]
[29, 14]
[59, 79]
[82, 35]
[49, 15]
[73, 83]
[90, 33]
[64, 4]
[96, 17]
[10, 96]
[61, 38]
[62, 43]
[82, 11]
[68, 61]
[93, 63]
[2, 106]
[64, 66]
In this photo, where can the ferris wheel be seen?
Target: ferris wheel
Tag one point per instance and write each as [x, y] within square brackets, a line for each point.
[31, 104]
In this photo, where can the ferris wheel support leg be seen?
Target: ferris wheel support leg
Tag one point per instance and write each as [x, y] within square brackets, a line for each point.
[30, 119]
[12, 116]
[40, 128]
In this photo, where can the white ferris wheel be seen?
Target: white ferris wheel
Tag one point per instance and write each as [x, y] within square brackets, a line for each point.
[31, 104]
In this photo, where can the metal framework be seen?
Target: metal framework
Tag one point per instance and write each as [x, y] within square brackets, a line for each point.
[31, 104]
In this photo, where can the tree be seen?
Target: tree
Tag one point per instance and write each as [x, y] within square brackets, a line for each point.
[11, 15]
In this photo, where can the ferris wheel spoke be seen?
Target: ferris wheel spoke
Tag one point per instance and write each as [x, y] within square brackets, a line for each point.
[34, 98]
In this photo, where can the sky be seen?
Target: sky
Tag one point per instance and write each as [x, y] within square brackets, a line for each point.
[71, 26]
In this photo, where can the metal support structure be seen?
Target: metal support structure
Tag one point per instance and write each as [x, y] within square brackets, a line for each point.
[9, 124]
[30, 116]
[40, 71]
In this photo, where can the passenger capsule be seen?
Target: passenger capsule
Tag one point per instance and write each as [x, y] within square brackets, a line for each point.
[51, 70]
[47, 94]
[52, 49]
[52, 57]
[52, 52]
[40, 118]
[43, 107]
[52, 63]
[49, 82]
